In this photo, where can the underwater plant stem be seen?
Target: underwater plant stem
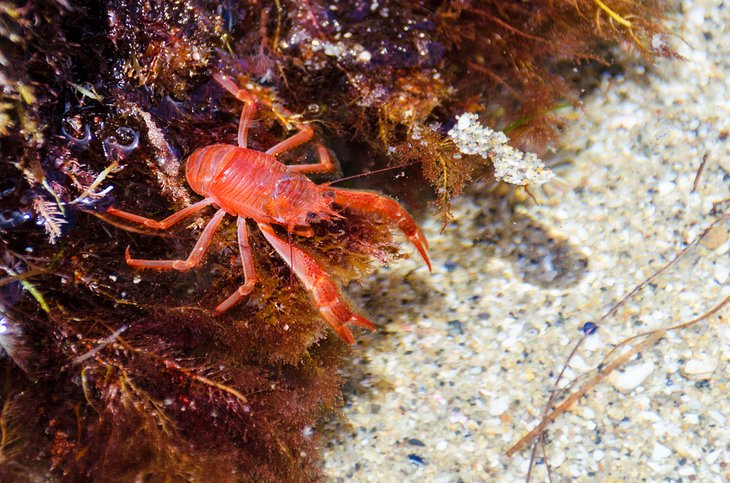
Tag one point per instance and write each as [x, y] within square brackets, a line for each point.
[99, 179]
[618, 18]
[31, 290]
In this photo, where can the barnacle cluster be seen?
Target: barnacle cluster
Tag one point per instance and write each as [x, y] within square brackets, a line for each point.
[113, 375]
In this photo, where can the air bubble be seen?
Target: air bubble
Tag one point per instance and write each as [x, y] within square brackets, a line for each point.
[11, 219]
[76, 130]
[120, 144]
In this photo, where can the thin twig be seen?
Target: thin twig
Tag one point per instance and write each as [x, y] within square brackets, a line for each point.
[652, 338]
[696, 183]
[549, 418]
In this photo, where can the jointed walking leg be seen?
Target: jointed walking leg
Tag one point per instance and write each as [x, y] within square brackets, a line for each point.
[195, 257]
[325, 164]
[249, 270]
[305, 134]
[167, 222]
[249, 105]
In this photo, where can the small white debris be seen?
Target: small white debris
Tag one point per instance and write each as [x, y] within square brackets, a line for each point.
[632, 377]
[593, 343]
[558, 459]
[700, 367]
[691, 418]
[660, 452]
[657, 42]
[498, 405]
[364, 56]
[510, 164]
[712, 457]
[717, 416]
[598, 455]
[722, 273]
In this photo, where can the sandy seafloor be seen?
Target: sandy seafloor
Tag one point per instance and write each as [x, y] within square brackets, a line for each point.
[466, 356]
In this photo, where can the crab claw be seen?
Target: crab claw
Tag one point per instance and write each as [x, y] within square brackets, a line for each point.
[324, 291]
[390, 210]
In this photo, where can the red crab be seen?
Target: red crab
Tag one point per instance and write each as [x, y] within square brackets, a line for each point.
[254, 185]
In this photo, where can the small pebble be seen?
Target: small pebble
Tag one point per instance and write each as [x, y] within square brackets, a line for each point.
[700, 367]
[456, 327]
[722, 273]
[450, 266]
[717, 416]
[660, 452]
[498, 405]
[415, 442]
[632, 377]
[691, 418]
[416, 460]
[715, 237]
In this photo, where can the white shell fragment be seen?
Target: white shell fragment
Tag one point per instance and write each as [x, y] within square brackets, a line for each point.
[700, 367]
[632, 377]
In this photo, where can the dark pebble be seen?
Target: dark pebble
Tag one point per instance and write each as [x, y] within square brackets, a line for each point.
[457, 327]
[416, 460]
[450, 266]
[415, 442]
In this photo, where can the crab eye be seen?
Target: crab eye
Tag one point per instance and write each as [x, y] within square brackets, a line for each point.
[329, 194]
[312, 216]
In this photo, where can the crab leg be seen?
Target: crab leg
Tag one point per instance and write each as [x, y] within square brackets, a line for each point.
[325, 164]
[249, 270]
[196, 256]
[249, 105]
[388, 208]
[167, 222]
[305, 134]
[331, 305]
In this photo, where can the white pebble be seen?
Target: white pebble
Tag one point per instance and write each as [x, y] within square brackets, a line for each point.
[722, 273]
[691, 418]
[717, 416]
[598, 455]
[632, 377]
[700, 367]
[660, 452]
[441, 445]
[498, 405]
[712, 457]
[594, 342]
[686, 471]
[558, 459]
